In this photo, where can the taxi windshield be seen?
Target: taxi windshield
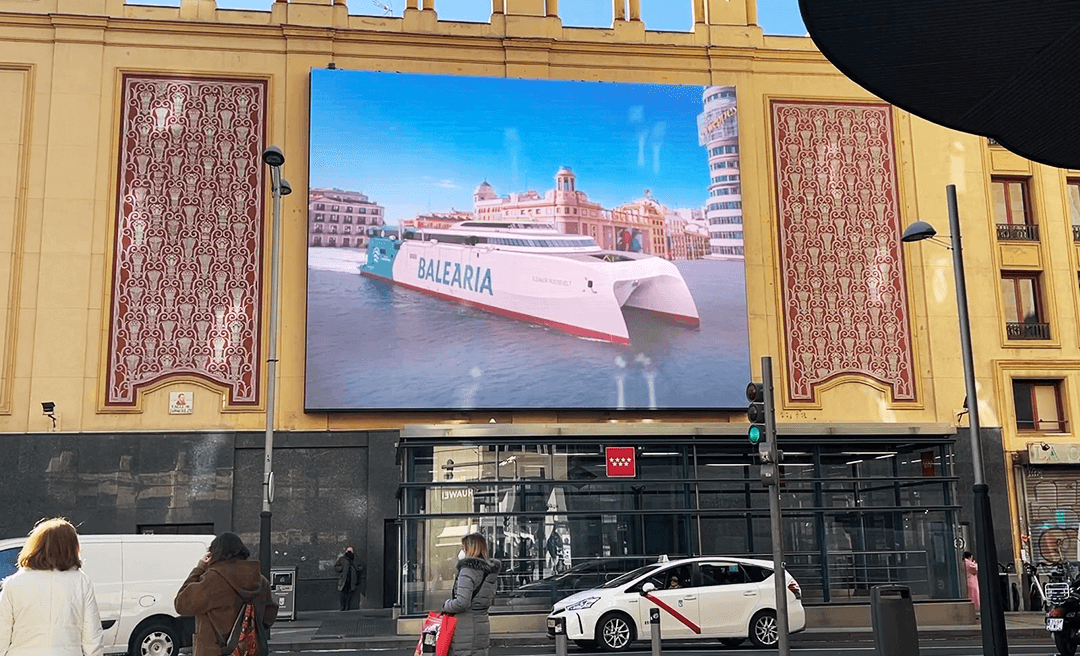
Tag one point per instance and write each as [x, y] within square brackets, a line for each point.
[630, 576]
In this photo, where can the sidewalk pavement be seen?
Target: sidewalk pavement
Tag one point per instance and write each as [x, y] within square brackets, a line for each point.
[376, 629]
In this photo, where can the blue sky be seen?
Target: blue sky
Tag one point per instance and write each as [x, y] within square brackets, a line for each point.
[775, 16]
[419, 143]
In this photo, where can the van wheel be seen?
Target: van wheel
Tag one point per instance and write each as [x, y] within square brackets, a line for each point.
[764, 632]
[615, 632]
[156, 639]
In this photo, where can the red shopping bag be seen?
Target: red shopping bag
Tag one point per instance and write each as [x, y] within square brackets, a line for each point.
[436, 635]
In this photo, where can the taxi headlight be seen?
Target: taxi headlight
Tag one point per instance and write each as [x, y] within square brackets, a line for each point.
[583, 604]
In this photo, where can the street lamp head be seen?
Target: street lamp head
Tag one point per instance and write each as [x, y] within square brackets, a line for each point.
[284, 187]
[273, 156]
[918, 231]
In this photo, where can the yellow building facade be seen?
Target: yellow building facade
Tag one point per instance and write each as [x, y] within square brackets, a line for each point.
[67, 68]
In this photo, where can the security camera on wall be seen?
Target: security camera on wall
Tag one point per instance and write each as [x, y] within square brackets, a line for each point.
[48, 408]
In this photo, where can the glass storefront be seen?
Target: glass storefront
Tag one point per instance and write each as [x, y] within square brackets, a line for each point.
[857, 512]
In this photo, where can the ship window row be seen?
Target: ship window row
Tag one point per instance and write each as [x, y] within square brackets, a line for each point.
[727, 235]
[725, 178]
[728, 220]
[472, 240]
[541, 243]
[725, 191]
[723, 150]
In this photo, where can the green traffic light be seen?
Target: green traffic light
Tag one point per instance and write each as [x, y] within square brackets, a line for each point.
[754, 434]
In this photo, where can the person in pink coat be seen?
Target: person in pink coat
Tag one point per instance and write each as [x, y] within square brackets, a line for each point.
[971, 570]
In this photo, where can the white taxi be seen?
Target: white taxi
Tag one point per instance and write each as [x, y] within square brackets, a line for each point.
[706, 597]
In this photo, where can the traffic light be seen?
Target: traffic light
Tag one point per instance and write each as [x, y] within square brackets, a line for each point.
[763, 427]
[755, 412]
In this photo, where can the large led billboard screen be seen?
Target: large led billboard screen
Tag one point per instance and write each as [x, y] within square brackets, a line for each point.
[492, 243]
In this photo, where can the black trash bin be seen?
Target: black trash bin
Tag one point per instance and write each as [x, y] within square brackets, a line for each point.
[892, 616]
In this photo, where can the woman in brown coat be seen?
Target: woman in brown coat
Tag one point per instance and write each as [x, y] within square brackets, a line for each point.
[218, 587]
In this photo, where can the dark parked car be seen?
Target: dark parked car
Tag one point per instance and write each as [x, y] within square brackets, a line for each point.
[583, 576]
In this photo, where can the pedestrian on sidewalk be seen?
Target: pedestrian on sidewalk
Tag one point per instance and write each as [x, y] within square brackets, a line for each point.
[474, 592]
[350, 572]
[971, 570]
[48, 605]
[219, 586]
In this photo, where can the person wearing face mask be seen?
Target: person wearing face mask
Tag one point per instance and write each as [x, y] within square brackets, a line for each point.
[350, 571]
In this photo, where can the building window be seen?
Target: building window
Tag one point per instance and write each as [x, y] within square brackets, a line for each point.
[345, 241]
[317, 241]
[1038, 406]
[1073, 189]
[1012, 211]
[1023, 308]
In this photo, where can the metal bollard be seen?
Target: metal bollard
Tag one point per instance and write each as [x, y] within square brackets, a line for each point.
[654, 626]
[560, 636]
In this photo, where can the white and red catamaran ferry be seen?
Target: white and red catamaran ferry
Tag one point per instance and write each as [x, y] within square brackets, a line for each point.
[532, 272]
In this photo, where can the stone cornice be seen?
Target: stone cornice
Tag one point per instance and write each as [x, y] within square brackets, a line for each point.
[480, 49]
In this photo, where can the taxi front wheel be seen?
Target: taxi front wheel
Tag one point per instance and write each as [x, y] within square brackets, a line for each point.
[615, 632]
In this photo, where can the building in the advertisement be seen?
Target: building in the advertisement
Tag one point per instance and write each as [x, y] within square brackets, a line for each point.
[688, 234]
[437, 219]
[636, 226]
[340, 218]
[718, 132]
[136, 250]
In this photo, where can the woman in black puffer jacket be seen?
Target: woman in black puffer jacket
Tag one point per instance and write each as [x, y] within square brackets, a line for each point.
[474, 592]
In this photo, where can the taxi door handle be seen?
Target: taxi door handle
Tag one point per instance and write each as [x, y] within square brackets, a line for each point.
[689, 598]
[749, 593]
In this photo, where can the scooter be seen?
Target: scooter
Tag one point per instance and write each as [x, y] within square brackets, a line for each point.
[1063, 610]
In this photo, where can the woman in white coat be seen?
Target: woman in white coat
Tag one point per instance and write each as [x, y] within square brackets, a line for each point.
[47, 608]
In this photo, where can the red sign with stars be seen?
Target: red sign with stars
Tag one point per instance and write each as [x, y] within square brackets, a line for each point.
[621, 461]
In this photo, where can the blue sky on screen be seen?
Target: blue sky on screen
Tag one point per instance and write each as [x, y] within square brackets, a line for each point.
[775, 16]
[420, 143]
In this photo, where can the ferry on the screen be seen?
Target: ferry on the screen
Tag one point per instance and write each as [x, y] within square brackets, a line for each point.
[532, 272]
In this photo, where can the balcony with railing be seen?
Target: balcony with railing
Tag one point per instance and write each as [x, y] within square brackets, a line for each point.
[1076, 232]
[1017, 232]
[1027, 330]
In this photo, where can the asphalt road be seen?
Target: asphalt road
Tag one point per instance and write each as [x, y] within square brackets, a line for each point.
[926, 648]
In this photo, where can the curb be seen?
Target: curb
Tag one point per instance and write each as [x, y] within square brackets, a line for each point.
[832, 635]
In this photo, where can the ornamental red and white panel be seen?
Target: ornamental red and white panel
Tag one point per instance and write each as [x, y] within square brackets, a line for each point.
[187, 267]
[844, 298]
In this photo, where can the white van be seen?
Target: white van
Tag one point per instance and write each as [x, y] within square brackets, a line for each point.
[136, 578]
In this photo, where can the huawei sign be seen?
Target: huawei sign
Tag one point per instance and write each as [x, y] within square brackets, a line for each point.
[621, 461]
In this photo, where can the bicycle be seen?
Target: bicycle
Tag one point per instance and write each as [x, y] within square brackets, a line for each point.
[1036, 597]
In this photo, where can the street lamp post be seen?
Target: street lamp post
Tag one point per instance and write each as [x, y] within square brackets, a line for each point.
[993, 613]
[273, 158]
